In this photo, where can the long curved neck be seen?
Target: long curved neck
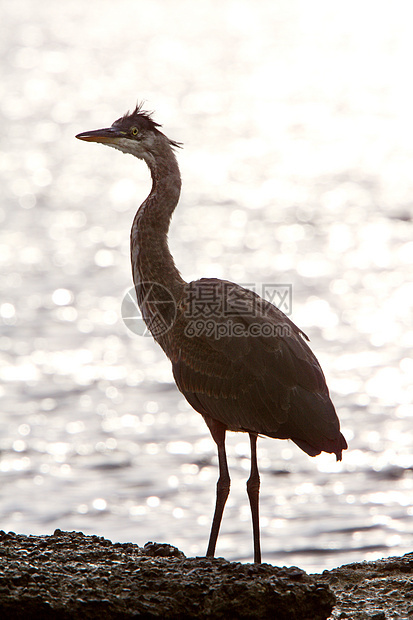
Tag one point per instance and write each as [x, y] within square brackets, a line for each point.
[151, 258]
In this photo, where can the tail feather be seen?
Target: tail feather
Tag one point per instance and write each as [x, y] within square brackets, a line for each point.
[313, 424]
[332, 446]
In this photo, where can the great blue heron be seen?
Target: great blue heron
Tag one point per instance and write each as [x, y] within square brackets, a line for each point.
[237, 359]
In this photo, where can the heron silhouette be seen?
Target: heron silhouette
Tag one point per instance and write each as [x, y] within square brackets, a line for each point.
[238, 360]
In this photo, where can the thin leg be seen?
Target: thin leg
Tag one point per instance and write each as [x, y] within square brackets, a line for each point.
[218, 434]
[253, 490]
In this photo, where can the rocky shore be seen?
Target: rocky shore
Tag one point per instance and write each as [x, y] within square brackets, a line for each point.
[69, 575]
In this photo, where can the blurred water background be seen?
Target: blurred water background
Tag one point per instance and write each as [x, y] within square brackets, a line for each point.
[297, 168]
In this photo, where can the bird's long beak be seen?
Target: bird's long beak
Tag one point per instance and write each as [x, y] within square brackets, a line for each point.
[106, 136]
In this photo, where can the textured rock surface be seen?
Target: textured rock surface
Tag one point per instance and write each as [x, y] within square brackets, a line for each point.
[69, 575]
[380, 590]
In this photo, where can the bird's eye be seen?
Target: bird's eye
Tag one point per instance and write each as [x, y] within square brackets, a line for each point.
[134, 131]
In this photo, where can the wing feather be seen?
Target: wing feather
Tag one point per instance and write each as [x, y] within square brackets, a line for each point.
[264, 378]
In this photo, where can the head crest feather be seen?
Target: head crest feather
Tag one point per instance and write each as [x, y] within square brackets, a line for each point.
[143, 120]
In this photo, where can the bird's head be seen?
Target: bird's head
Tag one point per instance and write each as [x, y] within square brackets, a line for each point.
[136, 133]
